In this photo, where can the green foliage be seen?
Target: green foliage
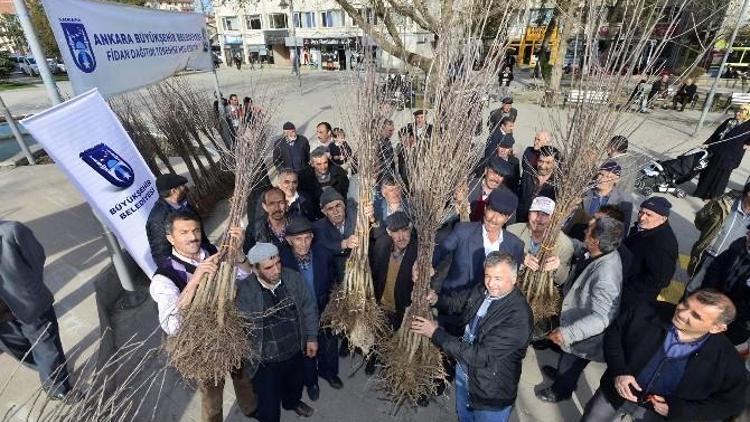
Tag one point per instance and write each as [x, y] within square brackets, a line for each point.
[43, 30]
[10, 28]
[6, 65]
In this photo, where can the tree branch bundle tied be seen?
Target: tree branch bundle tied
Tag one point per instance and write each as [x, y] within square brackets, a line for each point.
[213, 336]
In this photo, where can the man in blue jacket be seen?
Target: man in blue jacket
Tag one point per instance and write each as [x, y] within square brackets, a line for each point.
[318, 270]
[470, 243]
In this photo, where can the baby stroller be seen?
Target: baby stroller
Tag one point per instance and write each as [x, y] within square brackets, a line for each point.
[665, 176]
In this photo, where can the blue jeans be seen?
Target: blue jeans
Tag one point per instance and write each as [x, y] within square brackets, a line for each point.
[465, 413]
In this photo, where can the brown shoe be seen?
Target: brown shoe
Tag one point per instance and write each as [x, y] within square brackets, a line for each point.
[303, 410]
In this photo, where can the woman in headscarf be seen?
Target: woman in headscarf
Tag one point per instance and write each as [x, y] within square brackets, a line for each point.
[727, 147]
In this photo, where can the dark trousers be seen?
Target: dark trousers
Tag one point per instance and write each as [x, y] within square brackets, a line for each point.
[326, 363]
[276, 385]
[569, 369]
[47, 356]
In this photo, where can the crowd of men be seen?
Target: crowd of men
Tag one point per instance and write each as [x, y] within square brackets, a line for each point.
[663, 361]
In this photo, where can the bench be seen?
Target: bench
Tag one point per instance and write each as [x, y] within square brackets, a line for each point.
[591, 97]
[737, 98]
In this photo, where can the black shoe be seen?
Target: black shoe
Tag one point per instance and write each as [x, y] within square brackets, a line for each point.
[303, 409]
[335, 382]
[313, 391]
[423, 402]
[549, 371]
[550, 396]
[370, 366]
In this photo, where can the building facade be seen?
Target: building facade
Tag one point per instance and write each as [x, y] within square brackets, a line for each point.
[325, 36]
[173, 5]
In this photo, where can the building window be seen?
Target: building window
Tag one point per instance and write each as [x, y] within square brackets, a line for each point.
[304, 20]
[277, 20]
[332, 18]
[369, 16]
[231, 23]
[253, 22]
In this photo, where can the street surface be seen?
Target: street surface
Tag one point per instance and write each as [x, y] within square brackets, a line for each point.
[42, 198]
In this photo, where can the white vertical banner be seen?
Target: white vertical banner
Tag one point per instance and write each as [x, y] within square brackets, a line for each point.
[89, 144]
[119, 48]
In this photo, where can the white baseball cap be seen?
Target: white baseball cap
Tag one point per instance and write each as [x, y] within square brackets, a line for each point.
[543, 204]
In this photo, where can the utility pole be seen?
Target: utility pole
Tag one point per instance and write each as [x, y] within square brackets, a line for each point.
[715, 84]
[132, 297]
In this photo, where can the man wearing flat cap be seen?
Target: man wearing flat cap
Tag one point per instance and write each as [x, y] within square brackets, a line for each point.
[173, 288]
[292, 150]
[506, 110]
[173, 192]
[318, 270]
[420, 128]
[495, 175]
[335, 232]
[654, 253]
[604, 192]
[322, 174]
[469, 243]
[286, 330]
[501, 135]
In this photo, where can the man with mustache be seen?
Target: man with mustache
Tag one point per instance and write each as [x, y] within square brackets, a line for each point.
[272, 228]
[538, 183]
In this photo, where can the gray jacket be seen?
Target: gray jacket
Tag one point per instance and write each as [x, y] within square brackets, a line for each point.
[590, 305]
[249, 301]
[22, 272]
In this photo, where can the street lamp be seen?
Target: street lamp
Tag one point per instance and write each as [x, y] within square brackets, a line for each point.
[295, 62]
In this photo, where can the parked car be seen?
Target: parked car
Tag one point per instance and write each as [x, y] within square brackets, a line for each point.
[28, 66]
[55, 67]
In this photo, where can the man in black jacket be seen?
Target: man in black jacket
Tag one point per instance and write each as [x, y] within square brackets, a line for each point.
[539, 182]
[498, 324]
[391, 261]
[291, 150]
[671, 363]
[655, 250]
[270, 226]
[173, 192]
[322, 174]
[685, 94]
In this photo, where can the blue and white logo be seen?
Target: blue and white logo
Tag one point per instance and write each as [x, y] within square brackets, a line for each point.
[109, 165]
[79, 46]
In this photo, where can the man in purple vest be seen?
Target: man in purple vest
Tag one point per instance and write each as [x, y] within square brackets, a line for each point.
[173, 288]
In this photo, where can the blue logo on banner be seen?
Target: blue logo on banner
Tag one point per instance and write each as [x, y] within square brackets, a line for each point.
[79, 46]
[109, 165]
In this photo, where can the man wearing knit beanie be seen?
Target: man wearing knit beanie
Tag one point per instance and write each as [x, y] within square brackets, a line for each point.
[654, 248]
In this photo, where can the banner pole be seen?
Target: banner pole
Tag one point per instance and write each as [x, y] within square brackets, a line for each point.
[16, 133]
[115, 251]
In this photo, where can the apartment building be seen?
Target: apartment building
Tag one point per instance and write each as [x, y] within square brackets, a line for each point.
[173, 5]
[326, 37]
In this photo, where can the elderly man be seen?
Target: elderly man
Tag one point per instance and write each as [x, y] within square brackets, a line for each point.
[506, 110]
[335, 232]
[720, 222]
[654, 248]
[538, 183]
[297, 203]
[28, 323]
[173, 288]
[671, 363]
[531, 154]
[590, 304]
[390, 200]
[269, 227]
[685, 94]
[504, 150]
[318, 270]
[287, 329]
[496, 322]
[532, 235]
[322, 174]
[604, 192]
[291, 151]
[173, 191]
[323, 137]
